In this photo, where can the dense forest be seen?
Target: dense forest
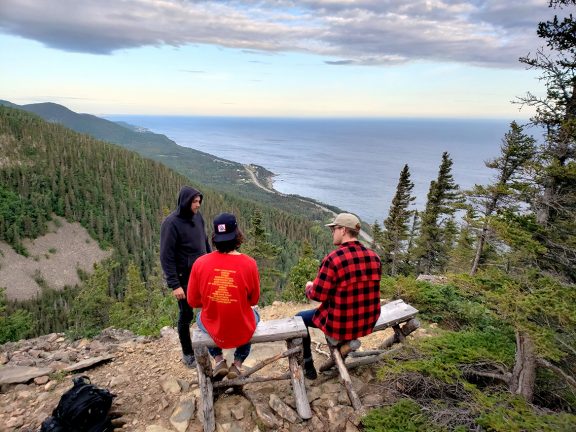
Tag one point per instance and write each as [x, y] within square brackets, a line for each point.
[502, 308]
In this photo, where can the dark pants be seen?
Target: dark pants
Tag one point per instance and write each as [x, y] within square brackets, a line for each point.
[306, 342]
[184, 320]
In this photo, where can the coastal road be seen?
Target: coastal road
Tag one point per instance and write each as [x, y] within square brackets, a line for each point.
[251, 172]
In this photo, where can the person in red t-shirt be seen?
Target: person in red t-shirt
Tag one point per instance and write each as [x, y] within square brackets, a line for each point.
[226, 284]
[347, 287]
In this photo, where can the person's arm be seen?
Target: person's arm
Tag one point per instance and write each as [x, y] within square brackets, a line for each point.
[168, 239]
[323, 287]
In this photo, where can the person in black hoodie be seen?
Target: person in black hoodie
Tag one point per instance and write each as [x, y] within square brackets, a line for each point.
[182, 240]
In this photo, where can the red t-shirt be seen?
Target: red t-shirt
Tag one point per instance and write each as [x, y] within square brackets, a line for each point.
[225, 286]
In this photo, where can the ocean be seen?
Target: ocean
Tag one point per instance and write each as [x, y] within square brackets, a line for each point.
[353, 164]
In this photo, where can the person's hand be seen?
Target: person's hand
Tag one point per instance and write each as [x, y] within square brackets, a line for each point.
[179, 293]
[309, 285]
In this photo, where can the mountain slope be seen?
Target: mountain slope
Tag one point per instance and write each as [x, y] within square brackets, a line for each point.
[198, 166]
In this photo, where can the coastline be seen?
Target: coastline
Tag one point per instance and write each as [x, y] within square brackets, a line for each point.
[264, 179]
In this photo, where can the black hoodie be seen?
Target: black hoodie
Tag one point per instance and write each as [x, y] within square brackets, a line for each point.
[182, 240]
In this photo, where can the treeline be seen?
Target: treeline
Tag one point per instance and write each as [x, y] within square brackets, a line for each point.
[121, 199]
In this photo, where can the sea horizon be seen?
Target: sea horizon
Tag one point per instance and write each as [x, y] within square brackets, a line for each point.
[350, 163]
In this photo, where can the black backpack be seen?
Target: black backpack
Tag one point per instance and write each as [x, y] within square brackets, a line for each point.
[83, 408]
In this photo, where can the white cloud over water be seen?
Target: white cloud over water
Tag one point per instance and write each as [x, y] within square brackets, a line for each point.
[491, 33]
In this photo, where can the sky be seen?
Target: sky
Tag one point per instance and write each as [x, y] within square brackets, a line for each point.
[306, 58]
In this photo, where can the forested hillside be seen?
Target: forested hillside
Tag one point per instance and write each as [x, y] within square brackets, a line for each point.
[121, 198]
[200, 167]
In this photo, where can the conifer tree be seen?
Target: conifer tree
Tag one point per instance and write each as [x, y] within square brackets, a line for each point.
[90, 309]
[516, 151]
[442, 200]
[397, 223]
[304, 271]
[377, 237]
[462, 255]
[265, 253]
[408, 264]
[554, 196]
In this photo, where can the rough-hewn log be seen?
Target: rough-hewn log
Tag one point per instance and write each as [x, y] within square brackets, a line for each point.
[236, 382]
[345, 377]
[344, 350]
[204, 369]
[257, 367]
[400, 333]
[297, 378]
[262, 364]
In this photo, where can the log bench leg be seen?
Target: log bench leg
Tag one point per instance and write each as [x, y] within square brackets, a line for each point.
[204, 368]
[354, 399]
[297, 378]
[344, 349]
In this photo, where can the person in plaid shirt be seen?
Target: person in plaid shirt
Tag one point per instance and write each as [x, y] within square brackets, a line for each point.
[347, 287]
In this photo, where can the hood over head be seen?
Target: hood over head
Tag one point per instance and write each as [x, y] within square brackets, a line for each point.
[185, 198]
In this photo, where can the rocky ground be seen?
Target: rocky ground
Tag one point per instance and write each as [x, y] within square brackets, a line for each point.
[156, 392]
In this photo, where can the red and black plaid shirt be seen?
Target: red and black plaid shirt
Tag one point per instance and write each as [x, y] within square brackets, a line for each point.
[348, 286]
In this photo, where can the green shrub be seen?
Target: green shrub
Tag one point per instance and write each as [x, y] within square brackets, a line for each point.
[404, 416]
[13, 326]
[508, 413]
[445, 304]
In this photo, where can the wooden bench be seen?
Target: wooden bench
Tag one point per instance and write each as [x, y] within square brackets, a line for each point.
[391, 315]
[292, 330]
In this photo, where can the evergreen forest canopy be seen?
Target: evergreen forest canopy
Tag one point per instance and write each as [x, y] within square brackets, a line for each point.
[504, 351]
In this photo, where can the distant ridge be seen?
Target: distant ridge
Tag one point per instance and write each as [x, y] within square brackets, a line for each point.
[200, 167]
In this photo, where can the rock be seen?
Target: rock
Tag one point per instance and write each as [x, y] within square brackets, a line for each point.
[338, 416]
[266, 415]
[237, 412]
[21, 374]
[433, 279]
[373, 400]
[351, 427]
[283, 410]
[183, 413]
[15, 422]
[155, 428]
[317, 424]
[170, 385]
[88, 363]
[41, 380]
[49, 385]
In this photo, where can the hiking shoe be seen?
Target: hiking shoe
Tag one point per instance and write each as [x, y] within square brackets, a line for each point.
[189, 360]
[233, 372]
[220, 370]
[310, 370]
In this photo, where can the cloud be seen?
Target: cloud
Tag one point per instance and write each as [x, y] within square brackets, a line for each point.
[364, 32]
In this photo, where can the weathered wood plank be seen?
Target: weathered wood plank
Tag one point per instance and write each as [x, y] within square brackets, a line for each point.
[394, 313]
[266, 331]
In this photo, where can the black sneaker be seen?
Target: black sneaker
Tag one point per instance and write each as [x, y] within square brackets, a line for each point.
[189, 361]
[310, 370]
